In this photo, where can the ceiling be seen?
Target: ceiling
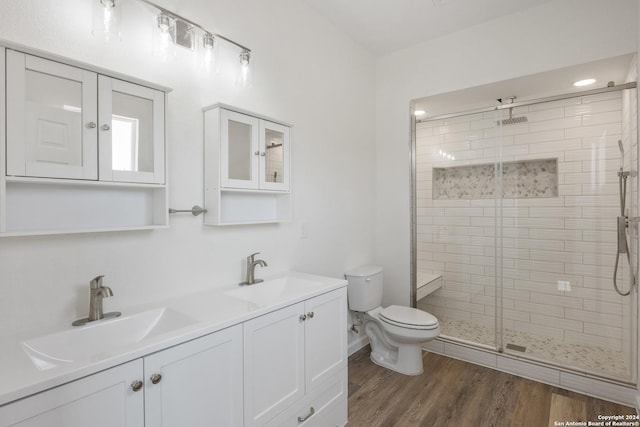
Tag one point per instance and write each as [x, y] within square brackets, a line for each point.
[383, 26]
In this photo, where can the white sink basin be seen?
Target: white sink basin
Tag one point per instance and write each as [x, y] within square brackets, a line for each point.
[98, 340]
[274, 290]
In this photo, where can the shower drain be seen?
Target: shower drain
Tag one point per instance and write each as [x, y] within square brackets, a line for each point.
[516, 347]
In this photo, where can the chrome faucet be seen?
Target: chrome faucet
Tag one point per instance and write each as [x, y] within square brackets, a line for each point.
[251, 268]
[98, 293]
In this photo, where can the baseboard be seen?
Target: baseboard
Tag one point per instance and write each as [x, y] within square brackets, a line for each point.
[357, 343]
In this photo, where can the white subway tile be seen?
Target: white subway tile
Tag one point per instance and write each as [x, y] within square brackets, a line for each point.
[539, 330]
[557, 300]
[594, 107]
[611, 117]
[594, 131]
[536, 137]
[552, 245]
[593, 317]
[567, 324]
[452, 220]
[564, 123]
[556, 256]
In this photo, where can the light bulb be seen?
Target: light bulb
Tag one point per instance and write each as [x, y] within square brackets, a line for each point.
[106, 22]
[245, 58]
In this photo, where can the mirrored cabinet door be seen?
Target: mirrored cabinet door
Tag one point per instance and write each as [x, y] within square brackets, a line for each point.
[52, 119]
[131, 132]
[239, 150]
[274, 156]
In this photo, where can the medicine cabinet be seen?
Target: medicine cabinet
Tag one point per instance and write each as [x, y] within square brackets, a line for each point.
[83, 149]
[247, 167]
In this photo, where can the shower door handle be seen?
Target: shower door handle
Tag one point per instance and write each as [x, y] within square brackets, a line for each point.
[622, 235]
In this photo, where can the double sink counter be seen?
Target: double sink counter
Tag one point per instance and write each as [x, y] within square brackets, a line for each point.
[34, 363]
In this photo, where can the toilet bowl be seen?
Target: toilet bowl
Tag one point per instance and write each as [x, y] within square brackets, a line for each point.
[396, 333]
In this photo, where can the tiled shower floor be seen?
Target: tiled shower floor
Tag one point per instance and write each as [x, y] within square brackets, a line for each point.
[577, 356]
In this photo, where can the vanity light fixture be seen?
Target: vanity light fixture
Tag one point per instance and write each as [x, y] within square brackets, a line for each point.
[244, 76]
[171, 29]
[585, 82]
[419, 113]
[106, 20]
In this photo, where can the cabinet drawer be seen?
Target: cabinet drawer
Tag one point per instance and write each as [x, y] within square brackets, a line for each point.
[329, 403]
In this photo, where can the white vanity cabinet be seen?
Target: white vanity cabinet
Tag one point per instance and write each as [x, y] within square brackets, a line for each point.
[196, 384]
[247, 167]
[105, 399]
[82, 150]
[295, 364]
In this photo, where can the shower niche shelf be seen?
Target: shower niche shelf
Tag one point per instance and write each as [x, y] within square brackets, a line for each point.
[520, 179]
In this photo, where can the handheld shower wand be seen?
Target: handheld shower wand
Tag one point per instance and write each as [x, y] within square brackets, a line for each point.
[623, 221]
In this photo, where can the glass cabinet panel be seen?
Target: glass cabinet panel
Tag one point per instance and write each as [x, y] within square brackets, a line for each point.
[239, 161]
[239, 150]
[132, 133]
[274, 153]
[274, 159]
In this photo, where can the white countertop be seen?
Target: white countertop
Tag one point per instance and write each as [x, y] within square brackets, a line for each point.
[211, 312]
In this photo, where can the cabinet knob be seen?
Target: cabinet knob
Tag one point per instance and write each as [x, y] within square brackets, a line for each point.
[310, 315]
[257, 153]
[303, 317]
[136, 385]
[263, 154]
[306, 417]
[92, 125]
[106, 127]
[156, 378]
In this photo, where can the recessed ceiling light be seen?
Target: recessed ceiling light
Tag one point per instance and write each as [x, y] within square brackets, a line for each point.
[419, 112]
[585, 82]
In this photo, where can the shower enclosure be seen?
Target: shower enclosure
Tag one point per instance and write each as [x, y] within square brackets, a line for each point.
[517, 233]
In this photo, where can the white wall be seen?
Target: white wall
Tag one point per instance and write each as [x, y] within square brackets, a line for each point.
[306, 73]
[553, 35]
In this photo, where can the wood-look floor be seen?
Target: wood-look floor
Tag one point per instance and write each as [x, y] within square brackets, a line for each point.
[455, 393]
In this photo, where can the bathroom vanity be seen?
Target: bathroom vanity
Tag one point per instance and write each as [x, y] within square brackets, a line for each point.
[271, 354]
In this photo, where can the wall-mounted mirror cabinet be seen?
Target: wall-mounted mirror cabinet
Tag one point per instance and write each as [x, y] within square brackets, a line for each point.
[247, 167]
[84, 148]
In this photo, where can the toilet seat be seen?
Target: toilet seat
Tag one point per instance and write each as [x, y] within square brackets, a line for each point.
[408, 317]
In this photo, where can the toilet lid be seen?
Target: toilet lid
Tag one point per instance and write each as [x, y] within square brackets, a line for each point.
[408, 317]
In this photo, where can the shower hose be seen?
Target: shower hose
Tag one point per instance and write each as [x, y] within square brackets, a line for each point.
[623, 247]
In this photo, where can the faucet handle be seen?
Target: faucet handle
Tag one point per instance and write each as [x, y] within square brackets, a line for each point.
[250, 258]
[96, 282]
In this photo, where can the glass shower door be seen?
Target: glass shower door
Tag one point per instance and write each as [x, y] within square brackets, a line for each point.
[560, 172]
[457, 213]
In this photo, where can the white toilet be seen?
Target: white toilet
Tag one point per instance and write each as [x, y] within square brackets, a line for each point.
[396, 333]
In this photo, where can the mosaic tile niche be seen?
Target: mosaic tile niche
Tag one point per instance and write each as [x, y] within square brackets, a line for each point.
[521, 179]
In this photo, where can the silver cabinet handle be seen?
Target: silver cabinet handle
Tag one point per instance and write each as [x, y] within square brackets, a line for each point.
[92, 125]
[263, 154]
[257, 153]
[156, 378]
[306, 417]
[310, 315]
[106, 127]
[303, 317]
[136, 385]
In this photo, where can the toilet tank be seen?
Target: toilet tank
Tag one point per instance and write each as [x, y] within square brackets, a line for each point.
[364, 289]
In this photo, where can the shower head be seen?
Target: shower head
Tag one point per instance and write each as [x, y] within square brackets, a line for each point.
[621, 154]
[512, 120]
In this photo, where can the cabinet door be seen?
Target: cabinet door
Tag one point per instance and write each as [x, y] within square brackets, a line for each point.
[51, 119]
[274, 156]
[105, 399]
[239, 150]
[200, 383]
[131, 132]
[325, 336]
[273, 363]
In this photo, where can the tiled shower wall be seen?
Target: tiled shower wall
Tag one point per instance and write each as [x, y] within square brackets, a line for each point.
[570, 237]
